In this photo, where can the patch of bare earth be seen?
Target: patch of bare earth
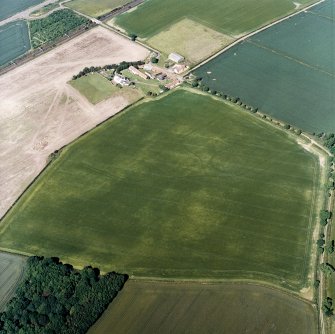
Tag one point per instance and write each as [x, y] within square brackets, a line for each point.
[40, 112]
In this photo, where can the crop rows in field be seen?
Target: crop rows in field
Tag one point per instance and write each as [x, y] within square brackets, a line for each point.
[14, 41]
[288, 71]
[154, 307]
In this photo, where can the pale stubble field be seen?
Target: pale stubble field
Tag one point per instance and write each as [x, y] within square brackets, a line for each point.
[40, 112]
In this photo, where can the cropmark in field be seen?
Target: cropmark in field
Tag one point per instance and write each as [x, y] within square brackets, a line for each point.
[185, 186]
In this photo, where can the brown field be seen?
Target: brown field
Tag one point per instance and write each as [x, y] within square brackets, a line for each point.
[157, 307]
[11, 270]
[40, 112]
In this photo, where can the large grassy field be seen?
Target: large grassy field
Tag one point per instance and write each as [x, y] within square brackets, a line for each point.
[288, 71]
[229, 16]
[97, 7]
[14, 41]
[152, 307]
[184, 186]
[94, 87]
[11, 7]
[11, 269]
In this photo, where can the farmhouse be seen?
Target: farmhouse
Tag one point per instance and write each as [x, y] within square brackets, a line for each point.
[135, 71]
[176, 58]
[121, 80]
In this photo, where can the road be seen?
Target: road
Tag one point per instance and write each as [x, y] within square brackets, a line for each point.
[25, 14]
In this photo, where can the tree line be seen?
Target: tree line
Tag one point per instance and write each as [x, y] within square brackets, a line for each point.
[117, 67]
[55, 298]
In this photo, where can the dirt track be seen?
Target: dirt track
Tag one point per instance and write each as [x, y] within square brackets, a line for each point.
[40, 112]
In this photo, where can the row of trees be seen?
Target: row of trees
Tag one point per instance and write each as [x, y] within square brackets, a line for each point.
[118, 68]
[197, 83]
[54, 298]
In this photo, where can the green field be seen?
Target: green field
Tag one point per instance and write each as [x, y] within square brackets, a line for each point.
[11, 7]
[183, 186]
[287, 71]
[94, 87]
[229, 16]
[152, 307]
[11, 270]
[97, 7]
[44, 10]
[54, 26]
[14, 41]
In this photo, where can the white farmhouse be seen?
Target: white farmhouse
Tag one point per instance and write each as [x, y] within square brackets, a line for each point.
[121, 80]
[176, 58]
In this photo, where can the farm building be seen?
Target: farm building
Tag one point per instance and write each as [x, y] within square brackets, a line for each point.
[135, 71]
[121, 80]
[176, 58]
[147, 67]
[179, 68]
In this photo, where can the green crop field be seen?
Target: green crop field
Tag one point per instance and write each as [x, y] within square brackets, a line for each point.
[287, 71]
[183, 186]
[94, 87]
[11, 269]
[97, 7]
[14, 41]
[54, 26]
[229, 17]
[11, 7]
[152, 307]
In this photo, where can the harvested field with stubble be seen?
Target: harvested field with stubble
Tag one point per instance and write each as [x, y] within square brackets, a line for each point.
[180, 37]
[40, 112]
[185, 186]
[11, 270]
[154, 307]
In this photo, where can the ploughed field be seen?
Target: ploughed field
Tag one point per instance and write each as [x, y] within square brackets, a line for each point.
[11, 7]
[14, 41]
[153, 307]
[229, 17]
[183, 186]
[11, 271]
[288, 70]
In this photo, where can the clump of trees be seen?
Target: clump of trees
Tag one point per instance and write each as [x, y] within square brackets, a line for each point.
[116, 67]
[55, 298]
[325, 215]
[327, 268]
[327, 307]
[328, 141]
[133, 37]
[54, 26]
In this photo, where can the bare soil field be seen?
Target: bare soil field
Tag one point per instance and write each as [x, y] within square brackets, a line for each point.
[40, 112]
[162, 307]
[11, 270]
